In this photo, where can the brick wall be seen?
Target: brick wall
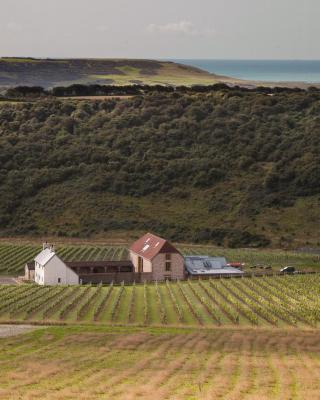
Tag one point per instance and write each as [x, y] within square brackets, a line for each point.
[159, 272]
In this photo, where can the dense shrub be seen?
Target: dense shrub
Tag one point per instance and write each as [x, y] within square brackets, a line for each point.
[264, 149]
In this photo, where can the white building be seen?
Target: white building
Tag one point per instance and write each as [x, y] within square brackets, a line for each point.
[51, 270]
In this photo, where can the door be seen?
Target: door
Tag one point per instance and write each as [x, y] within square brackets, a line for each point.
[140, 264]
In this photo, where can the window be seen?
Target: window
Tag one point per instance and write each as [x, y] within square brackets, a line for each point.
[59, 280]
[168, 262]
[168, 265]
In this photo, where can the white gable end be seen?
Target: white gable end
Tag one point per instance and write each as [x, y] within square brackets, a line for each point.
[54, 271]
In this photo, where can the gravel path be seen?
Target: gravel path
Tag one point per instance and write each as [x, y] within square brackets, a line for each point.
[12, 330]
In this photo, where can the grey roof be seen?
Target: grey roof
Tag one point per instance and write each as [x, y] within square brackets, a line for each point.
[45, 256]
[205, 265]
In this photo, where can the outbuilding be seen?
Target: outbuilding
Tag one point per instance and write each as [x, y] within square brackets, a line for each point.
[103, 271]
[198, 266]
[29, 271]
[157, 258]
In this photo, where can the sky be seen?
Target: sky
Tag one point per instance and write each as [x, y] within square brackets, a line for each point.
[219, 29]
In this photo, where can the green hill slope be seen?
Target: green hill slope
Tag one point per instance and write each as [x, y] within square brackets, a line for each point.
[49, 73]
[230, 167]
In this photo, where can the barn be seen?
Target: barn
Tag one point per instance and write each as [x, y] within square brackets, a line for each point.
[103, 271]
[157, 257]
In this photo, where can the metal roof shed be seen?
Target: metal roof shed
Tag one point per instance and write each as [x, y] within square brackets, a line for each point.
[209, 266]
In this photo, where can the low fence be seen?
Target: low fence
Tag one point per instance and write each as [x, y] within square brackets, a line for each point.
[251, 275]
[116, 277]
[130, 277]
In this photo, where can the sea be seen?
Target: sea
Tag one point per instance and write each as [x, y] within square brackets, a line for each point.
[261, 70]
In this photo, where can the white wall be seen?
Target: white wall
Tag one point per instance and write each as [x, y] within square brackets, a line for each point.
[147, 265]
[39, 274]
[54, 270]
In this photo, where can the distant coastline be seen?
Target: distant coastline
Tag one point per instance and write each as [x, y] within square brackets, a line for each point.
[307, 71]
[49, 73]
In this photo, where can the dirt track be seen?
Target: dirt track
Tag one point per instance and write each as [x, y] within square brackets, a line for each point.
[13, 330]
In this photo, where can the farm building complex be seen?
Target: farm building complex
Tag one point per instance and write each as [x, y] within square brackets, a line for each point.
[151, 258]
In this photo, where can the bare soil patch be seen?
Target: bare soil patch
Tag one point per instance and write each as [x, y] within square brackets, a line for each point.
[13, 330]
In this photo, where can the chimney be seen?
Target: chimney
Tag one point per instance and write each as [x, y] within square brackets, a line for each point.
[49, 246]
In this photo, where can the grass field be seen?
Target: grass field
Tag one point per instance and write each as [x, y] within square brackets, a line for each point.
[14, 256]
[168, 74]
[283, 301]
[125, 363]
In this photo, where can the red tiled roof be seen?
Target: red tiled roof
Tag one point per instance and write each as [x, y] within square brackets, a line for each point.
[149, 245]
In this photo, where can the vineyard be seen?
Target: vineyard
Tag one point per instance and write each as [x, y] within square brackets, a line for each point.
[131, 363]
[13, 257]
[279, 301]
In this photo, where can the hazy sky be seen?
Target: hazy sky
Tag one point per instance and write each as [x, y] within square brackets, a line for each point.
[267, 29]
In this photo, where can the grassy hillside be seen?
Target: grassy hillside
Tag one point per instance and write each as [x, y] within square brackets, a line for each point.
[231, 168]
[270, 301]
[93, 363]
[49, 73]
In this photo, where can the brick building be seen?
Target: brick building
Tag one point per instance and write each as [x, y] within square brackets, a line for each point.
[157, 257]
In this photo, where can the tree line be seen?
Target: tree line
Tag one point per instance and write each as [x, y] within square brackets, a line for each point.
[23, 92]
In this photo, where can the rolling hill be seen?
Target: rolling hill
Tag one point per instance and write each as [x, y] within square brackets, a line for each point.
[50, 73]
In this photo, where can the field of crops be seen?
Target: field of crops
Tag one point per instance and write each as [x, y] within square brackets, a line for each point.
[13, 257]
[277, 301]
[62, 363]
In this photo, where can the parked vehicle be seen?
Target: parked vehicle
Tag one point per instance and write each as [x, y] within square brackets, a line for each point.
[236, 264]
[288, 270]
